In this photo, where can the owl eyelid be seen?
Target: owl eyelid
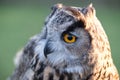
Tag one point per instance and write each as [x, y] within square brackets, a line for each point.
[71, 33]
[74, 34]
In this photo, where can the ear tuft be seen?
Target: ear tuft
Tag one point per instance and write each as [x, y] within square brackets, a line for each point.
[90, 5]
[57, 6]
[90, 10]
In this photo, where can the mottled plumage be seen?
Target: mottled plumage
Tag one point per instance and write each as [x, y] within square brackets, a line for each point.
[71, 46]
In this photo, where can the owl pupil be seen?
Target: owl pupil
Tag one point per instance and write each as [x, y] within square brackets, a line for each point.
[70, 37]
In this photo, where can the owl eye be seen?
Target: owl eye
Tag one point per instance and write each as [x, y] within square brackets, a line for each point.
[69, 38]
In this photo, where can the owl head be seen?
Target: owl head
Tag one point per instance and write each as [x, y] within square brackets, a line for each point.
[72, 40]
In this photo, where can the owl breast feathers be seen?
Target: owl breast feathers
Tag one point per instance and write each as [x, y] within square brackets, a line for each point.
[71, 46]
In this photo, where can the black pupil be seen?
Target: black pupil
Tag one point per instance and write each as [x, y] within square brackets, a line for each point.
[70, 37]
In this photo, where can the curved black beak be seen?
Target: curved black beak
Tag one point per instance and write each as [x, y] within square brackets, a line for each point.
[47, 49]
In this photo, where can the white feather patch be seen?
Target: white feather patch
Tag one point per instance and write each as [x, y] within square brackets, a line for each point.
[40, 49]
[74, 69]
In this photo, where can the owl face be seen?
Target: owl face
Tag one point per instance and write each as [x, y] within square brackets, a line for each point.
[66, 42]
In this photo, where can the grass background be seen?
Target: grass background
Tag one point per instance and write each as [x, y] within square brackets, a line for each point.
[18, 23]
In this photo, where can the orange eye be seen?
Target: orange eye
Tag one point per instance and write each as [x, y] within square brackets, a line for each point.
[69, 38]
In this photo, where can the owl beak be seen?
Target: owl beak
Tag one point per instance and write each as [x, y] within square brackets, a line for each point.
[47, 50]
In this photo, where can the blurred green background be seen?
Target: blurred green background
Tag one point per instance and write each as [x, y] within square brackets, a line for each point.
[21, 19]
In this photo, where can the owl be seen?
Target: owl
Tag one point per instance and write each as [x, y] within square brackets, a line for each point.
[71, 46]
